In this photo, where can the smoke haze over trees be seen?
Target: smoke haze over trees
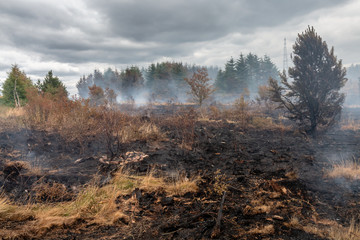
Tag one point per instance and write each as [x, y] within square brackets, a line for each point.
[164, 81]
[161, 81]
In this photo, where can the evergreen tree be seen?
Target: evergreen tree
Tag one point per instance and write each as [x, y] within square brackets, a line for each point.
[230, 76]
[219, 81]
[242, 73]
[312, 99]
[226, 80]
[52, 85]
[131, 79]
[83, 85]
[150, 75]
[267, 70]
[98, 78]
[15, 86]
[253, 67]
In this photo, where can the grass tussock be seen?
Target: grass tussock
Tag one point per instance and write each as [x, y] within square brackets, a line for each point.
[348, 169]
[352, 232]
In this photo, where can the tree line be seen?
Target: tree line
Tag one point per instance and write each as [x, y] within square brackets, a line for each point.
[161, 81]
[165, 80]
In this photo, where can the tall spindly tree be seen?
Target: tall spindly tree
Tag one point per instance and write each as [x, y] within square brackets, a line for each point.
[312, 98]
[15, 86]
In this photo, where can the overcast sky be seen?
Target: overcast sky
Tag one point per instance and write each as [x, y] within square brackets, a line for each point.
[73, 37]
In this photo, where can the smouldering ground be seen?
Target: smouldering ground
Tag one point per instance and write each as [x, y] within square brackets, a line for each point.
[278, 183]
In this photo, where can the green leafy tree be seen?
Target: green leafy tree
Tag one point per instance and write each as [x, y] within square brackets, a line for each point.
[15, 87]
[52, 85]
[312, 99]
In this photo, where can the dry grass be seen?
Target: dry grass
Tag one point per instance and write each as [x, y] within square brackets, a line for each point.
[345, 233]
[350, 124]
[10, 118]
[348, 169]
[77, 121]
[265, 230]
[328, 229]
[182, 185]
[137, 130]
[10, 211]
[97, 204]
[6, 112]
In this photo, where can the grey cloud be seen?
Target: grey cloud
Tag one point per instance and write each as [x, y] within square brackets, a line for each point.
[58, 31]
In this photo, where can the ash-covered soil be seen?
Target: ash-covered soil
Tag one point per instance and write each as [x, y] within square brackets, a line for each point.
[270, 177]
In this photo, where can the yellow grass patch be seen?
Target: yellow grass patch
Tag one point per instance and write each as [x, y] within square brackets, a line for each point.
[349, 169]
[265, 230]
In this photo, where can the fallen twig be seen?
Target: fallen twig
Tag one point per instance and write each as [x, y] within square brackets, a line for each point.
[216, 230]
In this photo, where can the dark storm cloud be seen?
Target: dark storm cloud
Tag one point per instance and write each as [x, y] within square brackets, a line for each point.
[203, 20]
[77, 32]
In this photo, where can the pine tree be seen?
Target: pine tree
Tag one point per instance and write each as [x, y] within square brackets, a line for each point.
[131, 79]
[312, 99]
[267, 70]
[253, 66]
[53, 85]
[83, 85]
[230, 76]
[242, 73]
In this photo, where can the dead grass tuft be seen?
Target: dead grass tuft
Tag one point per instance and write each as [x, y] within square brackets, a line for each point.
[345, 233]
[265, 230]
[348, 169]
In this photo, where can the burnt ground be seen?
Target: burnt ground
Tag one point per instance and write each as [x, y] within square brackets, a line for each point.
[270, 177]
